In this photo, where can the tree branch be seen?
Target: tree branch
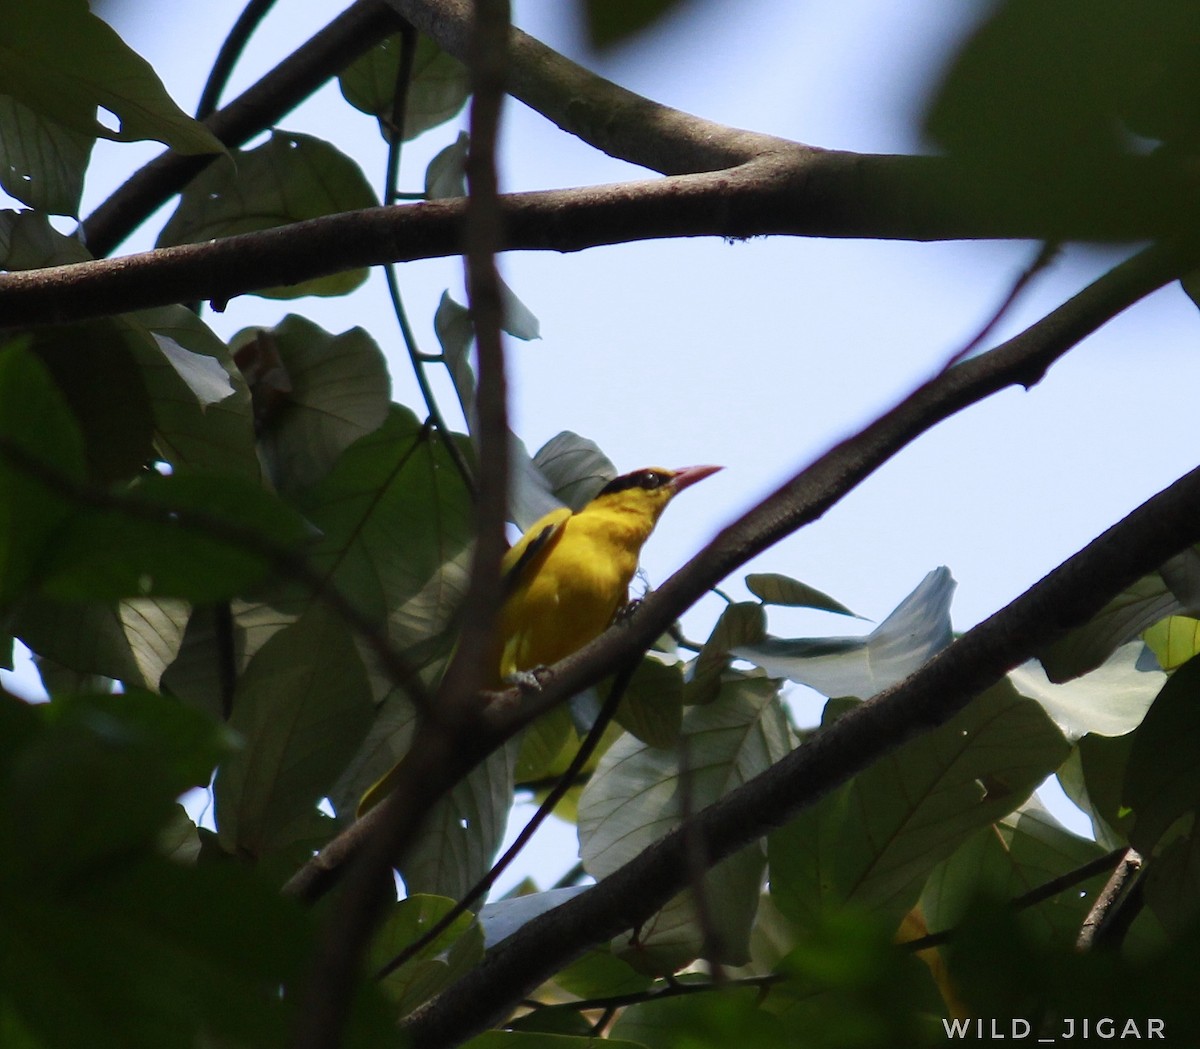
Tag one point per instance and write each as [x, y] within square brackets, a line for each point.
[1068, 596]
[603, 114]
[353, 32]
[348, 930]
[809, 194]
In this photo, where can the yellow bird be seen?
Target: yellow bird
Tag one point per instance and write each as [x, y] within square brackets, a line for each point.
[565, 579]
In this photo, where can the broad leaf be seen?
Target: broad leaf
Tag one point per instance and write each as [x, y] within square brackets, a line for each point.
[393, 515]
[639, 793]
[1173, 640]
[29, 242]
[864, 666]
[42, 163]
[574, 468]
[445, 176]
[329, 390]
[437, 89]
[95, 366]
[192, 536]
[773, 589]
[1162, 780]
[289, 178]
[132, 641]
[436, 966]
[194, 425]
[739, 625]
[875, 841]
[461, 833]
[302, 707]
[1173, 588]
[41, 450]
[1109, 701]
[652, 707]
[62, 61]
[1026, 849]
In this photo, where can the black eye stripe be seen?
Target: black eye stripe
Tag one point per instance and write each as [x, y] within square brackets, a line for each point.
[648, 479]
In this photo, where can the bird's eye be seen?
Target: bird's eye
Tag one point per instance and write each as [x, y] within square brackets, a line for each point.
[650, 480]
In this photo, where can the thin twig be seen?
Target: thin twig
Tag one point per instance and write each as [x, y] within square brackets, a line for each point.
[677, 989]
[408, 53]
[231, 50]
[1043, 259]
[563, 784]
[1038, 894]
[1105, 911]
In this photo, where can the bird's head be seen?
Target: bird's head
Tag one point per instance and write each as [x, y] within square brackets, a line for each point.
[650, 489]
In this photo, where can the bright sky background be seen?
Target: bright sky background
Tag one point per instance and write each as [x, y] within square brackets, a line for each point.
[760, 355]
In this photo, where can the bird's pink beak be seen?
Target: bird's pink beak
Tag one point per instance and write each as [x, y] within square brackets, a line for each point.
[689, 475]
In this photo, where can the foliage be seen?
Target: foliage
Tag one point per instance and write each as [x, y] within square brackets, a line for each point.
[241, 567]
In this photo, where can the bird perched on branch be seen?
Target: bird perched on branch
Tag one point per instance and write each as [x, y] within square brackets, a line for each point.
[567, 577]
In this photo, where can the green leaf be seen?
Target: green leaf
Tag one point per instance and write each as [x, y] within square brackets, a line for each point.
[302, 707]
[574, 468]
[132, 641]
[40, 443]
[290, 178]
[1108, 701]
[1026, 849]
[192, 536]
[462, 832]
[611, 22]
[773, 589]
[153, 953]
[652, 707]
[639, 793]
[1173, 588]
[42, 163]
[1162, 779]
[95, 368]
[731, 1017]
[194, 426]
[600, 974]
[1173, 640]
[1056, 136]
[863, 666]
[1092, 777]
[437, 89]
[874, 842]
[454, 953]
[328, 391]
[739, 625]
[61, 61]
[135, 750]
[393, 515]
[29, 242]
[445, 177]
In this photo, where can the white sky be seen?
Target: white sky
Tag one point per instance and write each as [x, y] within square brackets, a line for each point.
[760, 355]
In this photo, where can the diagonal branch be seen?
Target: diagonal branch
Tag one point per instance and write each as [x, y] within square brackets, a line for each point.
[603, 114]
[806, 193]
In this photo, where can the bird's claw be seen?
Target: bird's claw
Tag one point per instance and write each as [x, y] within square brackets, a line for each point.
[627, 610]
[529, 681]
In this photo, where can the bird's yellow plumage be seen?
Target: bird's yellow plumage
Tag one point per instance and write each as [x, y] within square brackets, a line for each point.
[567, 576]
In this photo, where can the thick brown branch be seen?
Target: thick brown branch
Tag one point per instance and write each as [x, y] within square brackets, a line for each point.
[804, 193]
[603, 114]
[1068, 596]
[353, 32]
